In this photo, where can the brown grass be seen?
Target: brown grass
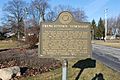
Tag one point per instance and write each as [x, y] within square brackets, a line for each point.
[111, 43]
[8, 44]
[87, 74]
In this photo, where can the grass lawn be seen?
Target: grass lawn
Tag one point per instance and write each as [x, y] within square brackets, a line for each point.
[112, 43]
[9, 44]
[87, 74]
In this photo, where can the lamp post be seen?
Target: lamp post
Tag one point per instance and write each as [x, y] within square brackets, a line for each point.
[105, 14]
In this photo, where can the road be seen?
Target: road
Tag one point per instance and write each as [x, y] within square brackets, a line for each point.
[107, 55]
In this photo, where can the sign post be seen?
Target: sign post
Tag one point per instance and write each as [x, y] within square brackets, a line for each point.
[64, 69]
[64, 39]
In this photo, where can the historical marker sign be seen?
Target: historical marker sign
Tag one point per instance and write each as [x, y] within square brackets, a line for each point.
[65, 38]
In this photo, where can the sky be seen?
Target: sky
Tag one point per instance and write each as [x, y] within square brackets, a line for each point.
[94, 9]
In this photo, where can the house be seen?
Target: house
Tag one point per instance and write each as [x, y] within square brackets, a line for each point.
[9, 34]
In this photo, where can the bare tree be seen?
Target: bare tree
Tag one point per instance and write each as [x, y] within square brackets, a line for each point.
[61, 8]
[38, 8]
[14, 10]
[79, 14]
[111, 22]
[118, 22]
[51, 16]
[114, 24]
[34, 14]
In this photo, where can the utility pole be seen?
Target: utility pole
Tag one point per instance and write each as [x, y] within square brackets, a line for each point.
[105, 14]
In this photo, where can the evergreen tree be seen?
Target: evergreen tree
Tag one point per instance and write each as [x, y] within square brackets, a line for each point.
[101, 29]
[94, 29]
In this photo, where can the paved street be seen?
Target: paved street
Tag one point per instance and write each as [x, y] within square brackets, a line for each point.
[107, 55]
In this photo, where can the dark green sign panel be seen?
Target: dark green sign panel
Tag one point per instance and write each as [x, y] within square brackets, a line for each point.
[65, 38]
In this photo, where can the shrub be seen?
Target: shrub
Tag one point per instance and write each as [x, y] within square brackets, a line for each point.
[14, 37]
[2, 37]
[32, 40]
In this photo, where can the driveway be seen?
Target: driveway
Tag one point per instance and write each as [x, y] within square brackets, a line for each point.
[107, 55]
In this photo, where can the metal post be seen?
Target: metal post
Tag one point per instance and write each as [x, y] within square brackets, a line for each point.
[64, 69]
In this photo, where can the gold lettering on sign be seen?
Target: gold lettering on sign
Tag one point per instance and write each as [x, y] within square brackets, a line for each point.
[64, 26]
